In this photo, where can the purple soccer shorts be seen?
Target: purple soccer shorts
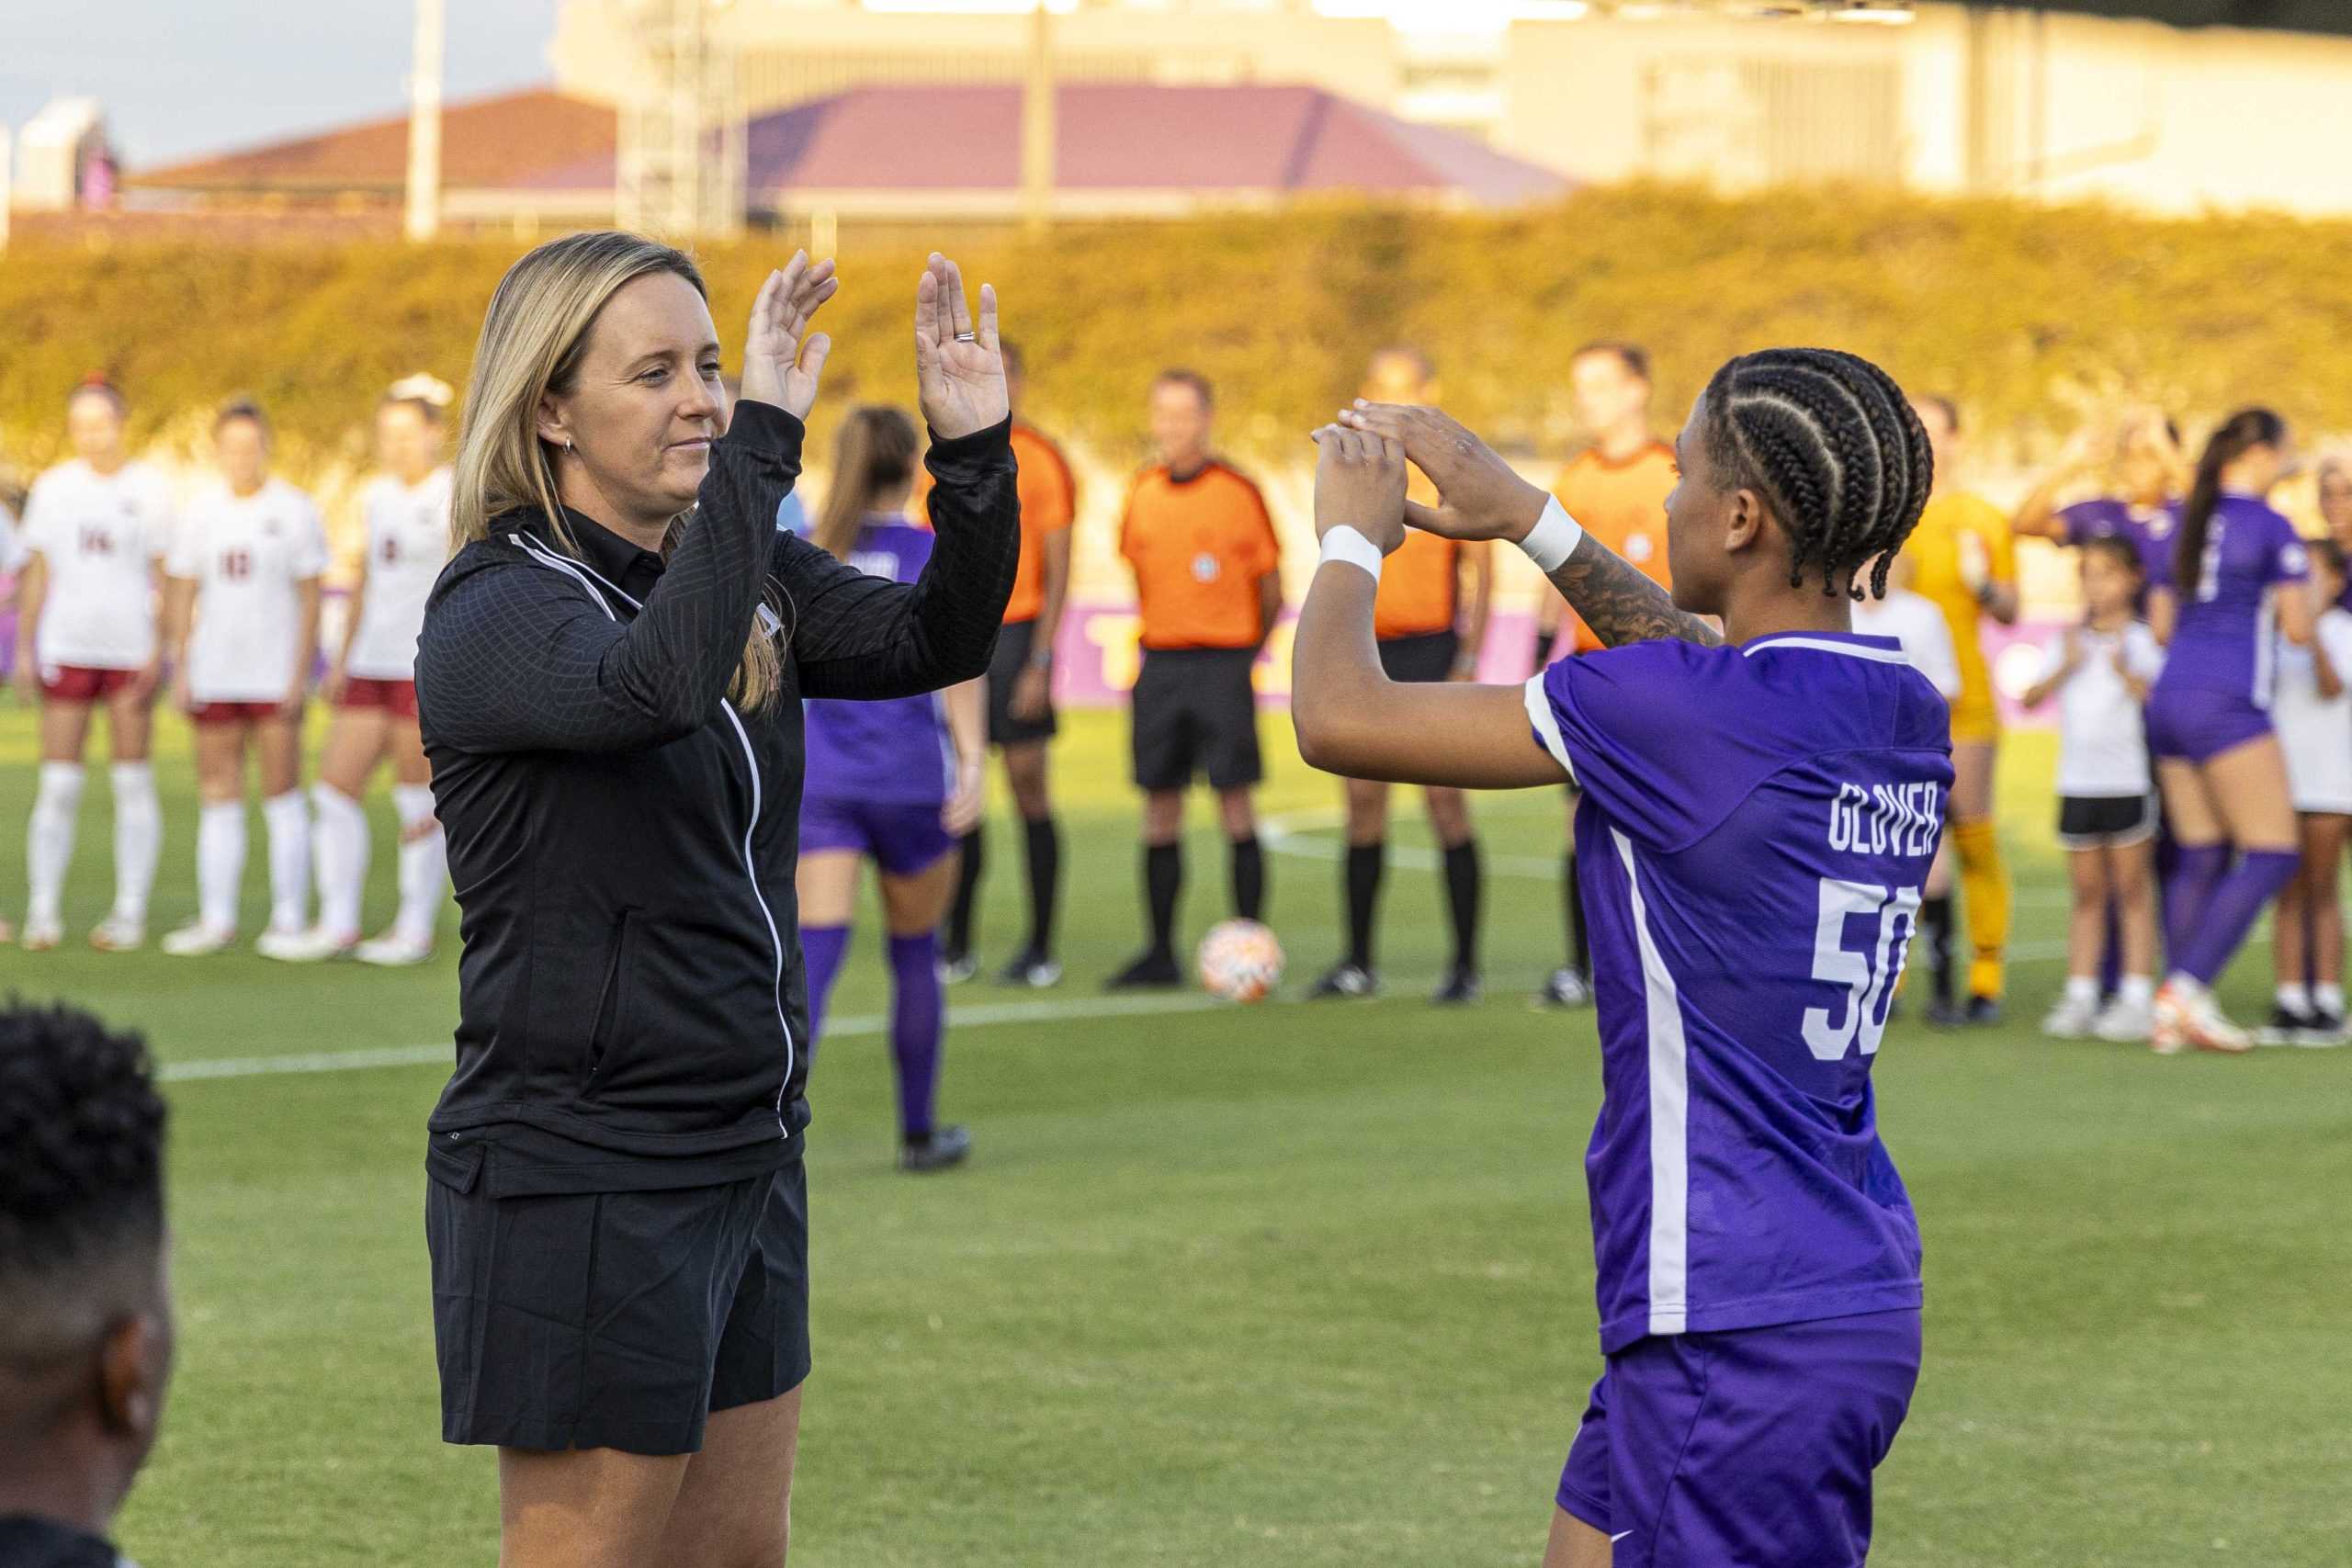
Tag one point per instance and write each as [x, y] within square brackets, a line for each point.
[2199, 724]
[1753, 1446]
[900, 839]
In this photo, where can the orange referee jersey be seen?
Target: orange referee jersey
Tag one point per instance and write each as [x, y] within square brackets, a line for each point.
[1420, 584]
[1623, 506]
[1048, 505]
[1199, 547]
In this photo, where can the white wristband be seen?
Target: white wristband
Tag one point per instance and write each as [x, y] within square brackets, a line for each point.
[1553, 538]
[1345, 543]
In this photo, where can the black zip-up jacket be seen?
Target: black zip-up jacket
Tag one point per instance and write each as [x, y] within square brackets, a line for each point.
[632, 1008]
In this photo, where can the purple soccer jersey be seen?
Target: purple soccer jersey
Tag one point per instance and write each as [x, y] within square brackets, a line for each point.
[2150, 529]
[1758, 823]
[897, 750]
[2223, 636]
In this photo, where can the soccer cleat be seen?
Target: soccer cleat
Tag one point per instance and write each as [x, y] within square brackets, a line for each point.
[2124, 1022]
[1942, 1014]
[1461, 988]
[313, 946]
[2186, 1016]
[2323, 1030]
[1033, 970]
[949, 1145]
[1345, 979]
[1152, 971]
[2286, 1026]
[393, 950]
[1565, 988]
[118, 934]
[42, 935]
[2072, 1019]
[198, 940]
[1984, 1012]
[957, 968]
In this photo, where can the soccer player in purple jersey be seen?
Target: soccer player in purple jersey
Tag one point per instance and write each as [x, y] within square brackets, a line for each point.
[2237, 580]
[2142, 503]
[897, 781]
[1760, 806]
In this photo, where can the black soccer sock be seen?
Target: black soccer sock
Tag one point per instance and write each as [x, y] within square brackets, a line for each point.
[1163, 879]
[1579, 940]
[1044, 836]
[1365, 864]
[958, 940]
[1464, 879]
[1935, 930]
[1248, 878]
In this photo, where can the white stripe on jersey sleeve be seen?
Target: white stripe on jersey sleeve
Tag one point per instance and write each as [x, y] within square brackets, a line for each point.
[1670, 1114]
[1547, 724]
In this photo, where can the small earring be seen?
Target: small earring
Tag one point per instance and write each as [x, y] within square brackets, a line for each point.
[567, 443]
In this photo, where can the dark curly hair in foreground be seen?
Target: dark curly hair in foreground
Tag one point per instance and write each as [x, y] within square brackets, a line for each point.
[1831, 442]
[81, 1146]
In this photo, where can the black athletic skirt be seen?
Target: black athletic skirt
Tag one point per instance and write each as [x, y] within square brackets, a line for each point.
[613, 1320]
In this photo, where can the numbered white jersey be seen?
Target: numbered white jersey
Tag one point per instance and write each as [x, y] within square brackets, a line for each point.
[1756, 830]
[408, 544]
[99, 537]
[249, 556]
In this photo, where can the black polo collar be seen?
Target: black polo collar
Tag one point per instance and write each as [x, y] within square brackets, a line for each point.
[619, 562]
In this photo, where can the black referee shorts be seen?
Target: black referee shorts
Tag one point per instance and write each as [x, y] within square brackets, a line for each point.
[613, 1320]
[1196, 713]
[1013, 644]
[1423, 661]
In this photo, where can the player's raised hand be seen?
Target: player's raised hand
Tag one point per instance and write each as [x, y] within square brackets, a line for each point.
[1360, 484]
[781, 360]
[1479, 496]
[959, 372]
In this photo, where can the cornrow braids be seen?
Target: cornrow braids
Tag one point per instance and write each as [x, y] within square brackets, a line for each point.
[1833, 443]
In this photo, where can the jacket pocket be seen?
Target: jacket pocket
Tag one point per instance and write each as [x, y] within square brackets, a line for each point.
[613, 998]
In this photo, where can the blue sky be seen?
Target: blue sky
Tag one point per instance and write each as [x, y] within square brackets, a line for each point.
[183, 77]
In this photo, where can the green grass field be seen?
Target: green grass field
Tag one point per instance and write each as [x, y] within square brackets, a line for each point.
[1288, 1284]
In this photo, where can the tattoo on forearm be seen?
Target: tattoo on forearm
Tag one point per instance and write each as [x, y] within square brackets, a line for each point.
[1622, 606]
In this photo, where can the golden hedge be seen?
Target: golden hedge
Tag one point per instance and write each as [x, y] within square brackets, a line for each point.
[2026, 315]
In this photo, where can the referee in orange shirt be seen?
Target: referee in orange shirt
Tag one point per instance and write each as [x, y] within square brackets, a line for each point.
[1198, 536]
[1021, 701]
[1616, 487]
[1430, 618]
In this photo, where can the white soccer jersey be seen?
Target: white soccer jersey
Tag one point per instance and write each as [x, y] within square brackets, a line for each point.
[2102, 729]
[99, 537]
[408, 543]
[246, 555]
[1913, 620]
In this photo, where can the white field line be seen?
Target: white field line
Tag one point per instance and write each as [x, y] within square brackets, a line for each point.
[979, 1017]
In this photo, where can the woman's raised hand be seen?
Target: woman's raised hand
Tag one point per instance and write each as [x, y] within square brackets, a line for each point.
[781, 360]
[959, 374]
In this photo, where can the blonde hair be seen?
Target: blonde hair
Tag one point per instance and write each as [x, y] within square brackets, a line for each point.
[532, 341]
[875, 452]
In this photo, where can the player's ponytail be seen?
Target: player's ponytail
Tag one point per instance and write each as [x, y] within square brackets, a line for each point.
[2239, 433]
[873, 455]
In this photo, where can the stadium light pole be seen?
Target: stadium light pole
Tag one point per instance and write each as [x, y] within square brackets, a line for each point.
[1037, 124]
[425, 121]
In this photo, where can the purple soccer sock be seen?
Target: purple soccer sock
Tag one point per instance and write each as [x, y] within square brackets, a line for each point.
[918, 1006]
[821, 949]
[2236, 904]
[2195, 874]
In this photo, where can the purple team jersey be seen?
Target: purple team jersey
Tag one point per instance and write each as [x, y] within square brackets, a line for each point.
[2224, 635]
[1756, 827]
[895, 752]
[2150, 529]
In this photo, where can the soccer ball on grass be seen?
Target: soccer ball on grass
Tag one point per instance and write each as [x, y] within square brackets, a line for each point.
[1240, 961]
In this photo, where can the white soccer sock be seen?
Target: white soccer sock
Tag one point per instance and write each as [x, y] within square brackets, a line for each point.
[2140, 988]
[424, 864]
[289, 859]
[342, 851]
[2295, 999]
[2328, 1000]
[219, 862]
[49, 838]
[2082, 988]
[138, 839]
